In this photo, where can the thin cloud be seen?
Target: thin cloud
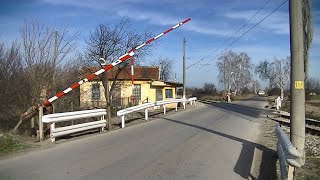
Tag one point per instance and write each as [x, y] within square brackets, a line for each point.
[165, 20]
[277, 23]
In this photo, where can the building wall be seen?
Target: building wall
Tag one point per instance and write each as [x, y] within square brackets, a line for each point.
[86, 95]
[147, 91]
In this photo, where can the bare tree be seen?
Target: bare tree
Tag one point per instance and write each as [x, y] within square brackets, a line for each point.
[277, 72]
[11, 74]
[224, 65]
[234, 70]
[165, 65]
[110, 42]
[266, 71]
[282, 75]
[209, 88]
[43, 50]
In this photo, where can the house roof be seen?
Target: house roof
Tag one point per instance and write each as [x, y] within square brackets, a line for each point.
[140, 72]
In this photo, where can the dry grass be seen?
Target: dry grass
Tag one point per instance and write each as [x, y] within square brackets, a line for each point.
[10, 143]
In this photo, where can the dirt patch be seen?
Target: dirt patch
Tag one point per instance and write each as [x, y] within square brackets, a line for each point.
[265, 165]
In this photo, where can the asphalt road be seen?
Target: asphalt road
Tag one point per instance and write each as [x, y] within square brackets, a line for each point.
[205, 142]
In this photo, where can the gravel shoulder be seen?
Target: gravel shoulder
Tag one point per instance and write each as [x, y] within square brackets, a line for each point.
[265, 165]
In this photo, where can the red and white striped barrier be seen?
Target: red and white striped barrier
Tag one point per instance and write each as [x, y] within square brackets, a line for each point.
[109, 66]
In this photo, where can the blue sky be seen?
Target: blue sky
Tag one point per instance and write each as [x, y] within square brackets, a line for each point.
[213, 22]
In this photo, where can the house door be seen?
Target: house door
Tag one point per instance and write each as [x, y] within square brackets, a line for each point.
[159, 96]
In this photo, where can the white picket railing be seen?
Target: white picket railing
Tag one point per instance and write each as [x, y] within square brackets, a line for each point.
[145, 106]
[68, 116]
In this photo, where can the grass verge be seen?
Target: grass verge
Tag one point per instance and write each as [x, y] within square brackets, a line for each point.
[12, 143]
[311, 169]
[312, 109]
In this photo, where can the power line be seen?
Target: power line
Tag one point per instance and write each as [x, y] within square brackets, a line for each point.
[249, 30]
[232, 35]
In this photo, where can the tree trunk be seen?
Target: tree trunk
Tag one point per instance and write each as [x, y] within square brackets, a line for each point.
[105, 84]
[281, 93]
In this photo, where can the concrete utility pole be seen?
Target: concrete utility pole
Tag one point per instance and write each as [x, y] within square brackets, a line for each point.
[297, 107]
[184, 68]
[224, 79]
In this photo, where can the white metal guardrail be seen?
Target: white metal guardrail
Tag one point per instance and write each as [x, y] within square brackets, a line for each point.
[145, 106]
[287, 153]
[68, 116]
[192, 100]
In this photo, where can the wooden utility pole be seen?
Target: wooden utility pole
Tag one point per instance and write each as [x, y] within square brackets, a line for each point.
[55, 55]
[41, 132]
[297, 101]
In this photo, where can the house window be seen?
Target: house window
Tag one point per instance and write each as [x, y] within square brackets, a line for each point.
[95, 91]
[137, 91]
[169, 93]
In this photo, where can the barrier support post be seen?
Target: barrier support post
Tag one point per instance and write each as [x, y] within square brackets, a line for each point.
[41, 134]
[164, 109]
[291, 170]
[176, 106]
[52, 126]
[146, 113]
[102, 128]
[122, 121]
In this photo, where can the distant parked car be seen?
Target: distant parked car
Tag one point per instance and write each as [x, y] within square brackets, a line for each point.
[261, 93]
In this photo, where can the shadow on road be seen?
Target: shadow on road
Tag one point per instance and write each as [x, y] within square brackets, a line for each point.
[243, 166]
[255, 98]
[241, 109]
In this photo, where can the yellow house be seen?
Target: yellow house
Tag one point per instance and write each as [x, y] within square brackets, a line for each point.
[146, 88]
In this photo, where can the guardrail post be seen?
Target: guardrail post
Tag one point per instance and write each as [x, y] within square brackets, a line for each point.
[41, 134]
[146, 113]
[184, 105]
[122, 121]
[52, 126]
[291, 172]
[164, 109]
[102, 128]
[176, 106]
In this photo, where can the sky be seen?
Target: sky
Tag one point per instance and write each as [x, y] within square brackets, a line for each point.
[213, 29]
